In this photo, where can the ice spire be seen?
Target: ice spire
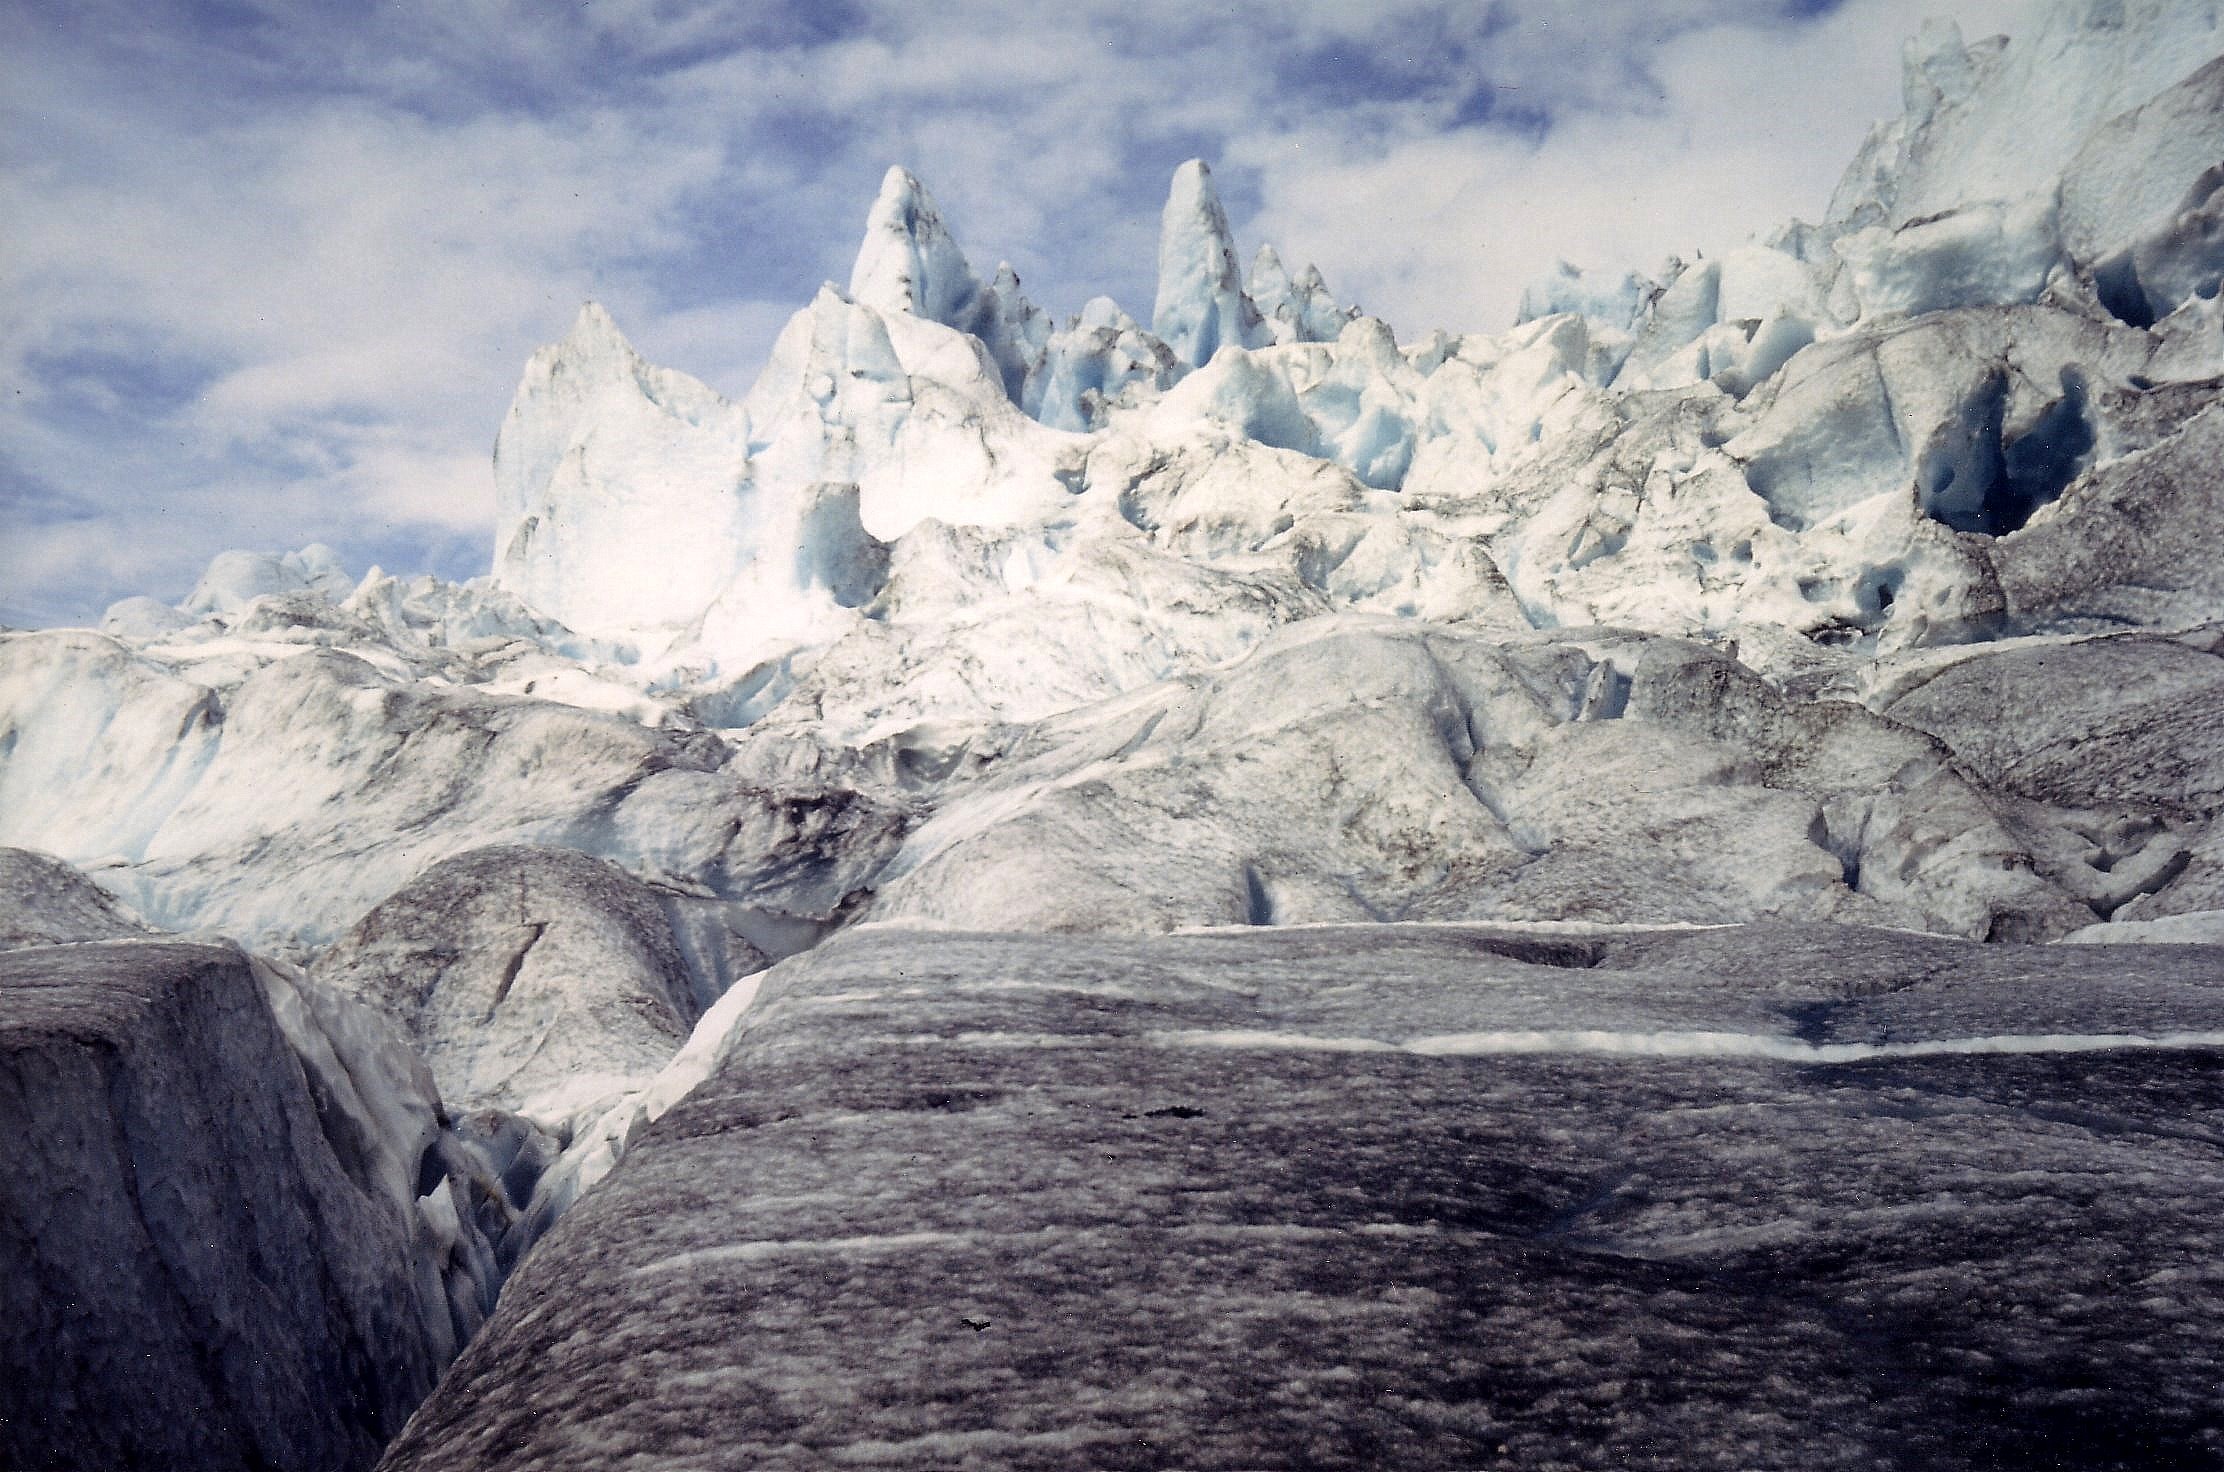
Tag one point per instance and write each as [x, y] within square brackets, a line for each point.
[595, 335]
[909, 262]
[1201, 306]
[1299, 310]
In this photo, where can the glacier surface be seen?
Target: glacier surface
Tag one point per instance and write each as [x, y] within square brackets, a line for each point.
[1869, 575]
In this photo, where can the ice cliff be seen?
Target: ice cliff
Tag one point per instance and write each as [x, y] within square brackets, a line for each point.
[240, 1230]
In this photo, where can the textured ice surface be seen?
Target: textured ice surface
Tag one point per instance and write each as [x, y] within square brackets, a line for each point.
[621, 489]
[45, 902]
[214, 1250]
[533, 980]
[1373, 771]
[1771, 437]
[235, 579]
[276, 788]
[1243, 1199]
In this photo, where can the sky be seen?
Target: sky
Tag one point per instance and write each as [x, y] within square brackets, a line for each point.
[269, 269]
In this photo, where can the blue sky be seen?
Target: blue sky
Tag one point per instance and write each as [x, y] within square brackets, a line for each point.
[269, 270]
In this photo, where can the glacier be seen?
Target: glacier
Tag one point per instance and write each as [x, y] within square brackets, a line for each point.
[1835, 619]
[843, 617]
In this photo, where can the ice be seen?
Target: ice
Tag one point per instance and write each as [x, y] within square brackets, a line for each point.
[101, 745]
[962, 616]
[2178, 138]
[1201, 307]
[911, 412]
[235, 578]
[383, 1112]
[1245, 394]
[1298, 784]
[539, 981]
[1596, 1042]
[945, 400]
[623, 494]
[1988, 254]
[283, 803]
[221, 1170]
[47, 902]
[1998, 122]
[878, 572]
[1567, 707]
[910, 263]
[141, 617]
[873, 1224]
[1295, 309]
[2196, 927]
[2180, 263]
[1094, 363]
[638, 504]
[1613, 301]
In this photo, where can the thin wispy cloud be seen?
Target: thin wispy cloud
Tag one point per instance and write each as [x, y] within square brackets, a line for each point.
[269, 274]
